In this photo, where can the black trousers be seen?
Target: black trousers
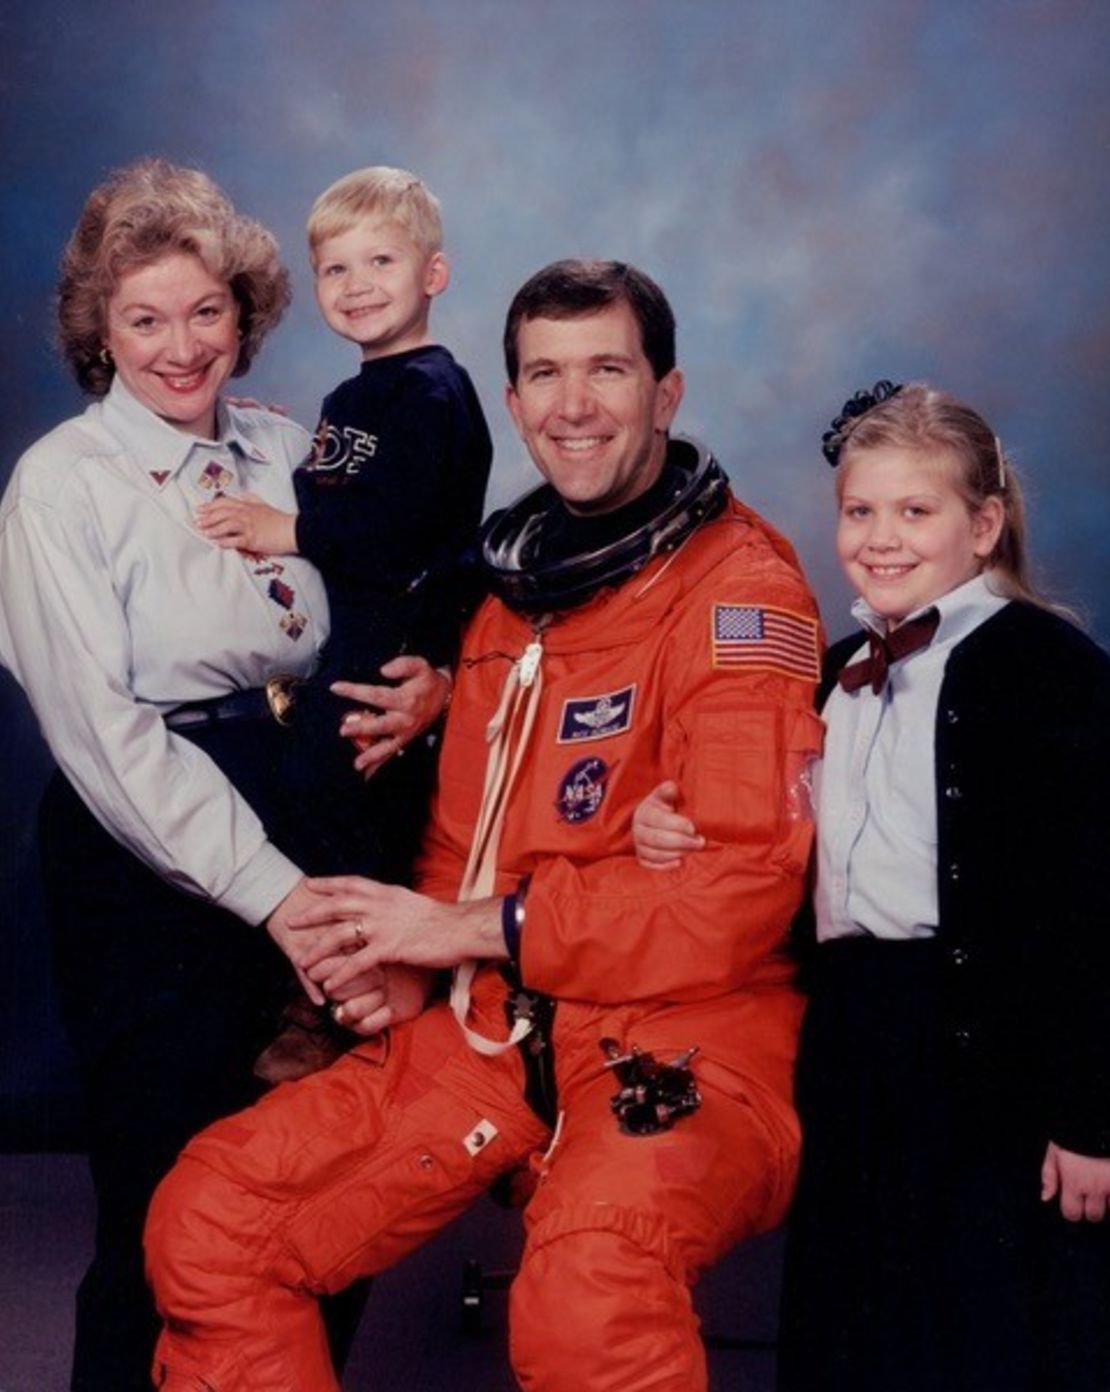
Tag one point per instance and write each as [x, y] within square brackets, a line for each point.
[919, 1256]
[337, 822]
[167, 1001]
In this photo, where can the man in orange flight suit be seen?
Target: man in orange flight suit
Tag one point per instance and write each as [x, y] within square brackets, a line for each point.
[644, 624]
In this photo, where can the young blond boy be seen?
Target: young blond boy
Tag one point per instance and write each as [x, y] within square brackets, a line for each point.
[388, 502]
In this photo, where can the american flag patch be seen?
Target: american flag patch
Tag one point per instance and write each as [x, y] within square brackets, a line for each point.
[767, 640]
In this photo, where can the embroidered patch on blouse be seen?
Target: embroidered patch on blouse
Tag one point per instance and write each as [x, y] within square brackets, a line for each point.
[281, 593]
[215, 476]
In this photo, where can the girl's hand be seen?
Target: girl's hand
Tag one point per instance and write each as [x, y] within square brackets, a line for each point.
[247, 523]
[660, 833]
[399, 714]
[1081, 1181]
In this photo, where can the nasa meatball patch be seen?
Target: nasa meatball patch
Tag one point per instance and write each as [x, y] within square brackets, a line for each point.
[596, 717]
[582, 790]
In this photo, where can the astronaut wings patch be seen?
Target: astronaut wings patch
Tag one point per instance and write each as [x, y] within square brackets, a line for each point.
[596, 717]
[761, 638]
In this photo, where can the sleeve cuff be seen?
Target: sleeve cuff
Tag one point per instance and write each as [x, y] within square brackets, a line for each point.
[510, 926]
[512, 919]
[261, 885]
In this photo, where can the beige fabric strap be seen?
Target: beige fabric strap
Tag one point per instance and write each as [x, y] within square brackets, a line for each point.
[507, 735]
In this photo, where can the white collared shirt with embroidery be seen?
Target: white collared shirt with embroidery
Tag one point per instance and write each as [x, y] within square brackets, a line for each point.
[114, 610]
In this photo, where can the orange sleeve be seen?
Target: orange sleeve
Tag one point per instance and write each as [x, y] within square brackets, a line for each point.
[741, 744]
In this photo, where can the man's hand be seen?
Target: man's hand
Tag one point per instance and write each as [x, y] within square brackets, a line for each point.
[300, 899]
[399, 714]
[660, 833]
[247, 523]
[1081, 1181]
[356, 924]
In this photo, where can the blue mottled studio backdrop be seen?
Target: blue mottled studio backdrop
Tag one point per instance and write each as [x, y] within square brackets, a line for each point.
[829, 192]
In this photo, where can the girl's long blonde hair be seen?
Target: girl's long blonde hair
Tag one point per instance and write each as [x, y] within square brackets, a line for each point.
[935, 423]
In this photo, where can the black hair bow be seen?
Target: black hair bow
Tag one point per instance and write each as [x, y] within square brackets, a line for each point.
[832, 442]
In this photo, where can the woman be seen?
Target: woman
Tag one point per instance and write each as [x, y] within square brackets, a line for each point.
[150, 657]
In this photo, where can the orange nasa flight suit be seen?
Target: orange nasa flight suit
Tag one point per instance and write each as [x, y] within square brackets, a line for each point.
[339, 1175]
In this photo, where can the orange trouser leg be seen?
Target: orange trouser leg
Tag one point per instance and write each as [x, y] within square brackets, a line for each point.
[325, 1180]
[620, 1228]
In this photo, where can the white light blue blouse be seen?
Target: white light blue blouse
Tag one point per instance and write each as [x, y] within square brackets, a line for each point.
[876, 787]
[114, 610]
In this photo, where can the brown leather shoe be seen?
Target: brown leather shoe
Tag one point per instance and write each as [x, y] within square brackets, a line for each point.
[308, 1040]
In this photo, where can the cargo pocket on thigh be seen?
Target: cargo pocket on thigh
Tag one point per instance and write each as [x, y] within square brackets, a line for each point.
[436, 1155]
[761, 1133]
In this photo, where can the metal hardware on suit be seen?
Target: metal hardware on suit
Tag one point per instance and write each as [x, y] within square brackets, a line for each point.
[653, 1095]
[536, 1050]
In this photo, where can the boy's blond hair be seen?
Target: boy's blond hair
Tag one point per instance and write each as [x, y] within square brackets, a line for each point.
[380, 191]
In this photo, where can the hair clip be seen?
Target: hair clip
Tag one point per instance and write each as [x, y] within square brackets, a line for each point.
[1001, 463]
[832, 442]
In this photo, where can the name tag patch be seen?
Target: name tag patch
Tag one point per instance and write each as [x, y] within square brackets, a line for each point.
[596, 717]
[582, 790]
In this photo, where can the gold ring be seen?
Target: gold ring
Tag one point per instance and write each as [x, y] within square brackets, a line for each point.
[336, 1010]
[360, 934]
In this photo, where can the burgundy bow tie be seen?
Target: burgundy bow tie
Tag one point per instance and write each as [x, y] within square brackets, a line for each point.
[882, 651]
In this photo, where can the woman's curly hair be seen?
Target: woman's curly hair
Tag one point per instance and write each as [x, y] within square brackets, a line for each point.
[138, 215]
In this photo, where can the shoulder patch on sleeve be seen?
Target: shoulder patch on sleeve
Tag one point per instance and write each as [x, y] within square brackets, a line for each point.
[763, 638]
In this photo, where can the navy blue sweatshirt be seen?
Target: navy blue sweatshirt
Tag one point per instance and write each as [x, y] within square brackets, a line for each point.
[389, 503]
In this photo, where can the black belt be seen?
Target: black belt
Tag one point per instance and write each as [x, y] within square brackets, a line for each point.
[274, 701]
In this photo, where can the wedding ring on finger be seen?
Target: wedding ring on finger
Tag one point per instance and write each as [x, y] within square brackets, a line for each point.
[336, 1011]
[356, 943]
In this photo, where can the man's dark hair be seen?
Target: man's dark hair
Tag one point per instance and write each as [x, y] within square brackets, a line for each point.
[570, 289]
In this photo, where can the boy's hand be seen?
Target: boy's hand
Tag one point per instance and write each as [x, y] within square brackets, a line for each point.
[247, 523]
[659, 831]
[1082, 1182]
